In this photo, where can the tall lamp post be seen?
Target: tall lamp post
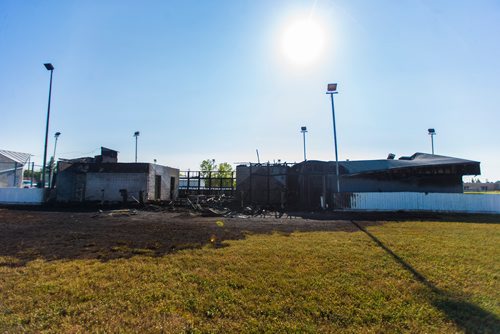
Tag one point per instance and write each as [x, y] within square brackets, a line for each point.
[50, 68]
[432, 133]
[332, 89]
[136, 135]
[56, 136]
[303, 129]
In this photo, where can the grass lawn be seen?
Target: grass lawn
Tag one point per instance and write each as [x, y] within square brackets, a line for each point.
[438, 277]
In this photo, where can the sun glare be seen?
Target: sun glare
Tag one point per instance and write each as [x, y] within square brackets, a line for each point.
[303, 42]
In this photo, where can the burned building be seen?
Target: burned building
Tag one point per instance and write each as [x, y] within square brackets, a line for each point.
[262, 183]
[312, 184]
[104, 179]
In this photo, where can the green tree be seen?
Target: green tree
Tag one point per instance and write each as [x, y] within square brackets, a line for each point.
[207, 166]
[225, 171]
[209, 169]
[37, 175]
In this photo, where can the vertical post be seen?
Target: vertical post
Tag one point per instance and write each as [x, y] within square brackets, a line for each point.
[335, 142]
[304, 134]
[303, 129]
[47, 131]
[221, 191]
[51, 177]
[324, 202]
[268, 184]
[32, 172]
[15, 175]
[232, 183]
[250, 187]
[136, 148]
[199, 183]
[209, 183]
[432, 132]
[188, 183]
[136, 134]
[432, 143]
[49, 182]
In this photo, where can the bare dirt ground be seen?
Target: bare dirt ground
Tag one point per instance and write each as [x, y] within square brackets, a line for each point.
[26, 235]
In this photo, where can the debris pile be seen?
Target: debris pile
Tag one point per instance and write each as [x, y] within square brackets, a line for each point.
[212, 206]
[204, 205]
[225, 206]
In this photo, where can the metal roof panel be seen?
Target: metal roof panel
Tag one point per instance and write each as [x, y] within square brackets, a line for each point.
[21, 158]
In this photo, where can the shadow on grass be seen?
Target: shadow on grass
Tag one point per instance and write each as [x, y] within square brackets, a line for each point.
[469, 317]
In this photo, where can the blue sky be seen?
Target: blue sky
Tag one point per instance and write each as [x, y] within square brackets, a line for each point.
[208, 79]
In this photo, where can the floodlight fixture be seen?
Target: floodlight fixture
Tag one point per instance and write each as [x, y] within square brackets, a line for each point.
[332, 89]
[303, 129]
[50, 68]
[432, 133]
[136, 135]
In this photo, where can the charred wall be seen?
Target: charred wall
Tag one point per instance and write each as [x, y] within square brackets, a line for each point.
[262, 184]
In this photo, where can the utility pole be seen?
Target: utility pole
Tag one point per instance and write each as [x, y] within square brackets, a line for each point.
[304, 130]
[332, 89]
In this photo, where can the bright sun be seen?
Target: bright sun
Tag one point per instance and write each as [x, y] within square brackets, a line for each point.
[303, 42]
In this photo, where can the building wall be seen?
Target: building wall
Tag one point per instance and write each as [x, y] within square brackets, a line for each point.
[394, 183]
[262, 184]
[70, 186]
[79, 187]
[408, 201]
[107, 186]
[22, 196]
[9, 178]
[104, 182]
[165, 173]
[309, 188]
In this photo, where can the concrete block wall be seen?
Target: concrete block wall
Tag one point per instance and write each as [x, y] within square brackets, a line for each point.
[106, 186]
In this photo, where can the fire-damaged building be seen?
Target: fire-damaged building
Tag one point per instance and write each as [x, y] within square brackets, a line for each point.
[313, 184]
[102, 178]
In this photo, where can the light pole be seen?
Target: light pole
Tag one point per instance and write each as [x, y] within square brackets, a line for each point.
[303, 129]
[50, 68]
[136, 135]
[56, 136]
[432, 133]
[332, 89]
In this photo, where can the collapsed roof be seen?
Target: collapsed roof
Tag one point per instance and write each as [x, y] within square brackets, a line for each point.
[418, 163]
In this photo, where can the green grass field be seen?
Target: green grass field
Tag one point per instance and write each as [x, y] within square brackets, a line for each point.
[416, 277]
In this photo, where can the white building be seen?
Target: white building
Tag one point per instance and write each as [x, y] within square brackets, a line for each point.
[11, 168]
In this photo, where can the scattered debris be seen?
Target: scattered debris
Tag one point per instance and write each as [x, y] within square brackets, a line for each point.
[201, 205]
[129, 212]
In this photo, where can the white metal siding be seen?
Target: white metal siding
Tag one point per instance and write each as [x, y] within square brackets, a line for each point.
[21, 196]
[425, 202]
